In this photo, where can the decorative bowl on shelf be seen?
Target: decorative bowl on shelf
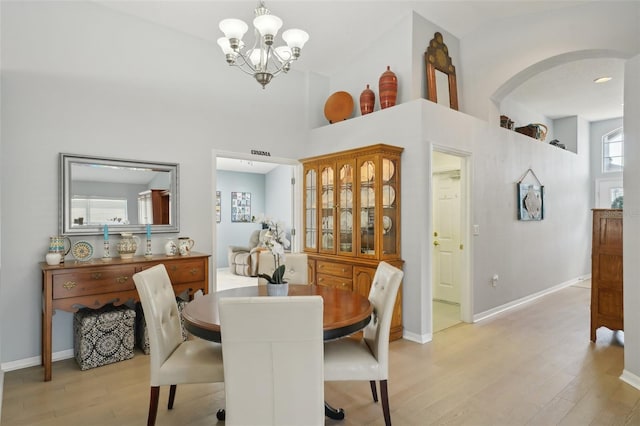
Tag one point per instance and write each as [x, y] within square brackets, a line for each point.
[339, 107]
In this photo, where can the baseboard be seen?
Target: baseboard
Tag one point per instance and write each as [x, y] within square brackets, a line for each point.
[1, 388]
[418, 338]
[507, 306]
[35, 360]
[630, 379]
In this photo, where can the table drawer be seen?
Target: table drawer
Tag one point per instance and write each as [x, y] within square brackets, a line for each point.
[336, 282]
[93, 281]
[337, 269]
[186, 271]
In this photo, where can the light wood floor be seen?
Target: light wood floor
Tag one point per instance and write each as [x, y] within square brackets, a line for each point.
[533, 365]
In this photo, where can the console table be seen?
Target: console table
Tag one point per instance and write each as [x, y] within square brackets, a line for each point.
[74, 285]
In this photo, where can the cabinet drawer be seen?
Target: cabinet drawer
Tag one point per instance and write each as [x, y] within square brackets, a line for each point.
[185, 271]
[93, 281]
[336, 282]
[337, 269]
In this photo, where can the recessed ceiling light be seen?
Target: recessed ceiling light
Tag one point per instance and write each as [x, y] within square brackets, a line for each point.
[602, 79]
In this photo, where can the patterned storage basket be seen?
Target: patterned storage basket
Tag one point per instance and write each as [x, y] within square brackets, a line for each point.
[142, 335]
[102, 336]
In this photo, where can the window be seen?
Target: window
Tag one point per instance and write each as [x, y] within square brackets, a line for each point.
[613, 151]
[98, 211]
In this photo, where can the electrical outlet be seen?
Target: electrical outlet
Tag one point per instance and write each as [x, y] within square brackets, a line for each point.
[494, 280]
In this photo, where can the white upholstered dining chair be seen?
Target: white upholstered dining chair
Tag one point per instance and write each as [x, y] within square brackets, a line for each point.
[172, 360]
[273, 349]
[296, 267]
[368, 358]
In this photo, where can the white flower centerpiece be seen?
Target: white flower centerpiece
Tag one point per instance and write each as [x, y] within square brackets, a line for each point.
[276, 241]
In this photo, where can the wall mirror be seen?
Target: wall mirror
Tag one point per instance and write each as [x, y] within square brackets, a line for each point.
[125, 195]
[441, 74]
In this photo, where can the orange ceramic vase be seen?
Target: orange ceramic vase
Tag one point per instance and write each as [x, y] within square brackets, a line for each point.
[367, 101]
[388, 88]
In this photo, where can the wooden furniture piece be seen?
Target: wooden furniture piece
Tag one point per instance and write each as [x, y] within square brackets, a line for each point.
[351, 212]
[437, 59]
[154, 204]
[93, 284]
[343, 313]
[606, 271]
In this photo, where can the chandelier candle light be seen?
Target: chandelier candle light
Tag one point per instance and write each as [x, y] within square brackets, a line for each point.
[263, 61]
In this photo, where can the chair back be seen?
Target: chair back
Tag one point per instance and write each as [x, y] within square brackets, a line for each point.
[296, 267]
[383, 293]
[273, 360]
[161, 314]
[256, 238]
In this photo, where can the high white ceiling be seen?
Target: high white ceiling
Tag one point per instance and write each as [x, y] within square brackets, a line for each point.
[339, 28]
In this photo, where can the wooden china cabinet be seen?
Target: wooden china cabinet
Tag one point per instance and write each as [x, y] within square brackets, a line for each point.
[351, 218]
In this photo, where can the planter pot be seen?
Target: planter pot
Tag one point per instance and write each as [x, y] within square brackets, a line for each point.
[277, 289]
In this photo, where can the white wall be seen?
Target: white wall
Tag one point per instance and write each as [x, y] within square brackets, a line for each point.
[279, 195]
[237, 233]
[80, 78]
[631, 218]
[528, 256]
[491, 56]
[565, 130]
[403, 44]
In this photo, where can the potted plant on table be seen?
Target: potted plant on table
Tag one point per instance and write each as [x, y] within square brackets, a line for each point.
[276, 241]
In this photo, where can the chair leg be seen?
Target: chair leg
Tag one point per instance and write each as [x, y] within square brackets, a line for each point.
[153, 405]
[385, 402]
[172, 396]
[374, 392]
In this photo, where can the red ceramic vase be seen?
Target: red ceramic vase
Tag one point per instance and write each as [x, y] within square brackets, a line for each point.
[367, 101]
[388, 88]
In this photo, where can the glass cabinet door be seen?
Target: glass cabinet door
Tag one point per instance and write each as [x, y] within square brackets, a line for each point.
[310, 209]
[327, 209]
[346, 208]
[367, 207]
[390, 203]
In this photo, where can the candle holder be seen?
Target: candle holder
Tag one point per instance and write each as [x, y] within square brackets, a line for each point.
[106, 256]
[148, 253]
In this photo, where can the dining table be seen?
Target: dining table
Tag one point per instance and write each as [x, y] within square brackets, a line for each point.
[344, 313]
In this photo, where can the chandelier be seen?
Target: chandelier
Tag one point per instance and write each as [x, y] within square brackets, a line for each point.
[263, 61]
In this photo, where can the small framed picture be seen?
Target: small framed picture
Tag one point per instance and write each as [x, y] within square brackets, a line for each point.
[218, 207]
[530, 201]
[240, 207]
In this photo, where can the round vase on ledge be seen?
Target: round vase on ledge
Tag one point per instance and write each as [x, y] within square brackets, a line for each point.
[277, 289]
[367, 101]
[388, 88]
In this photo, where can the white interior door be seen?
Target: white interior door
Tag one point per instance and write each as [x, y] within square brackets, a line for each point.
[446, 236]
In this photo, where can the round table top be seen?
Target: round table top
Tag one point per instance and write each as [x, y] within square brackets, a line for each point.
[344, 312]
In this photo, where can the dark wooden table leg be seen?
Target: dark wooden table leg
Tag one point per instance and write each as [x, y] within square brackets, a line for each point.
[333, 413]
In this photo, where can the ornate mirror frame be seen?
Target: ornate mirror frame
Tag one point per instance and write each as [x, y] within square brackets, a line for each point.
[437, 58]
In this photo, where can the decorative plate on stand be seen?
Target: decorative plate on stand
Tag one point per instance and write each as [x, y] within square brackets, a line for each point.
[82, 251]
[339, 107]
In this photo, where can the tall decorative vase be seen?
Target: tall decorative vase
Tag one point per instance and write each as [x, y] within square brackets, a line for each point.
[367, 101]
[388, 86]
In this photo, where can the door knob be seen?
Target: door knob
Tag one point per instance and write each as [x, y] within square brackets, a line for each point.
[436, 243]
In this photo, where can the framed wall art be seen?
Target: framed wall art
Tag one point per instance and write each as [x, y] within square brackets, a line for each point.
[530, 198]
[218, 207]
[240, 207]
